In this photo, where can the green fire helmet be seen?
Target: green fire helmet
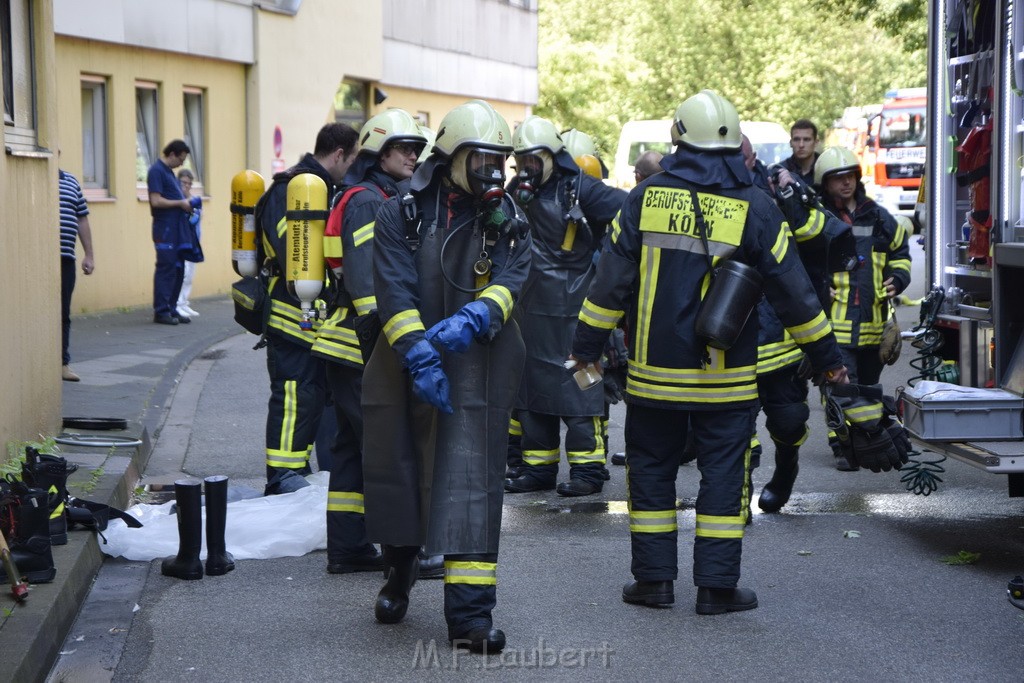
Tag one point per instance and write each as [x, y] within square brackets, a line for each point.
[536, 134]
[835, 160]
[390, 126]
[579, 143]
[707, 121]
[473, 124]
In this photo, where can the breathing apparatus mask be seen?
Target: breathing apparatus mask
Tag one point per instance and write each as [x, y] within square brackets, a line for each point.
[481, 173]
[534, 168]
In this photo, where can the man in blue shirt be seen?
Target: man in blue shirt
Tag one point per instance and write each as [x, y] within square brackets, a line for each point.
[170, 212]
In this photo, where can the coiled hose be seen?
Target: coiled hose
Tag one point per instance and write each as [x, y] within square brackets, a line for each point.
[921, 473]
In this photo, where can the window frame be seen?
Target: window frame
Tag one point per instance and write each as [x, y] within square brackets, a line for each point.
[196, 160]
[95, 142]
[17, 45]
[154, 143]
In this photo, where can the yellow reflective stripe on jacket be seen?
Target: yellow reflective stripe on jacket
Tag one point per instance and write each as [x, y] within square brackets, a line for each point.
[811, 331]
[779, 359]
[616, 229]
[345, 501]
[332, 246]
[781, 245]
[501, 296]
[711, 385]
[598, 316]
[338, 341]
[714, 526]
[514, 428]
[474, 573]
[285, 318]
[363, 234]
[650, 264]
[401, 324]
[365, 305]
[652, 521]
[899, 235]
[812, 228]
[541, 457]
[900, 264]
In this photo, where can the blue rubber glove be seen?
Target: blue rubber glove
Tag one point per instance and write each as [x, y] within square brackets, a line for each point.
[429, 382]
[457, 331]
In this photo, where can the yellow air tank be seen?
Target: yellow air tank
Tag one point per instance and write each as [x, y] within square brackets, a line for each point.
[306, 215]
[246, 189]
[589, 164]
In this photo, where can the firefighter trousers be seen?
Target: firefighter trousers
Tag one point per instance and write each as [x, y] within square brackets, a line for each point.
[783, 397]
[470, 592]
[584, 446]
[346, 522]
[655, 438]
[296, 403]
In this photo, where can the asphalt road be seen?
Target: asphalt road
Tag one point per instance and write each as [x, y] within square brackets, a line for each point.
[850, 576]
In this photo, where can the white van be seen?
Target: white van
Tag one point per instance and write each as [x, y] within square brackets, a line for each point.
[770, 140]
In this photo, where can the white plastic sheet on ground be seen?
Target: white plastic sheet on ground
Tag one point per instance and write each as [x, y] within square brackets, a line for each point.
[287, 525]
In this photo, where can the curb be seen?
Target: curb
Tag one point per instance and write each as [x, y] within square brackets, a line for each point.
[32, 633]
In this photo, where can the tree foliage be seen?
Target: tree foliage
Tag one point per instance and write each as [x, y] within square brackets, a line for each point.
[602, 64]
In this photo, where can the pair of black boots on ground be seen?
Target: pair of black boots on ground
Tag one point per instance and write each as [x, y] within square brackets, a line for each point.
[467, 607]
[188, 497]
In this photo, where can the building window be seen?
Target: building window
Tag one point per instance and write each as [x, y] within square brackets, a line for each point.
[95, 173]
[18, 73]
[147, 149]
[195, 136]
[350, 103]
[423, 118]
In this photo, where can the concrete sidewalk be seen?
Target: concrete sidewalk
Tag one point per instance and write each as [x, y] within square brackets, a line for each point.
[130, 369]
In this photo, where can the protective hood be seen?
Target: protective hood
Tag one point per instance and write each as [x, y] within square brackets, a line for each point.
[565, 162]
[360, 167]
[425, 172]
[724, 171]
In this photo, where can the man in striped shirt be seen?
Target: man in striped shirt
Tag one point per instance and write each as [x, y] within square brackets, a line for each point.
[74, 225]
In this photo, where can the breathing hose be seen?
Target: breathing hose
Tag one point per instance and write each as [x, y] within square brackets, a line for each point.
[921, 473]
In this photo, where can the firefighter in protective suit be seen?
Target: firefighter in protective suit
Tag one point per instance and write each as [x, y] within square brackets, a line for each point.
[389, 144]
[702, 208]
[860, 305]
[568, 211]
[450, 260]
[296, 376]
[821, 241]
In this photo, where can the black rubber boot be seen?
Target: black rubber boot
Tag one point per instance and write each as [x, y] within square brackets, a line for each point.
[30, 542]
[50, 473]
[776, 492]
[401, 565]
[187, 565]
[431, 566]
[649, 593]
[722, 600]
[218, 559]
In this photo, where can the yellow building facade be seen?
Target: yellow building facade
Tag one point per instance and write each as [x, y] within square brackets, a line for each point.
[247, 85]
